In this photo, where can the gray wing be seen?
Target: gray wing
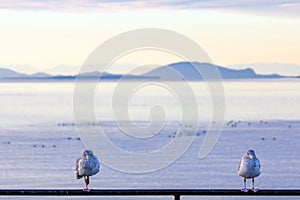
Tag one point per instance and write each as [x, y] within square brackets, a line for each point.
[258, 162]
[92, 166]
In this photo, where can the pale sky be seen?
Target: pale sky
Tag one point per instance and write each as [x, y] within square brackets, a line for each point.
[45, 34]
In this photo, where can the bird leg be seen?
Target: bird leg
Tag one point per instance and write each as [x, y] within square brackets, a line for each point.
[253, 188]
[87, 181]
[245, 186]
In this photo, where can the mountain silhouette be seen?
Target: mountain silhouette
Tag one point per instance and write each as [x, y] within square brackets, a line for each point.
[174, 72]
[197, 71]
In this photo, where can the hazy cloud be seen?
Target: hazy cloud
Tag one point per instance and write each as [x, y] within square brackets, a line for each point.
[276, 7]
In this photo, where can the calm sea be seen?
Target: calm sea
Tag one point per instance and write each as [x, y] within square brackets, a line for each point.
[26, 103]
[39, 142]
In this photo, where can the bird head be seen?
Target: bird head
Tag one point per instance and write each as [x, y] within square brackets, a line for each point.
[251, 154]
[88, 153]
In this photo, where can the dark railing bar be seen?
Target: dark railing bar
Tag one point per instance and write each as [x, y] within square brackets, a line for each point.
[147, 192]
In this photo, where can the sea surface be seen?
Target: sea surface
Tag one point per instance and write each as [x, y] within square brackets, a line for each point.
[40, 140]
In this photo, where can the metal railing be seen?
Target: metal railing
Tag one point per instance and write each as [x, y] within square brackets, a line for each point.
[176, 193]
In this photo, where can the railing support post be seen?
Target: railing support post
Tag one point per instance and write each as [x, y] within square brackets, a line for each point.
[176, 197]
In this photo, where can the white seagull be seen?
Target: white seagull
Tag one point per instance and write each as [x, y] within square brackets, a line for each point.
[87, 165]
[249, 168]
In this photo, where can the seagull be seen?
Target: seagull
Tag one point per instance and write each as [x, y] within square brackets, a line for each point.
[87, 165]
[249, 168]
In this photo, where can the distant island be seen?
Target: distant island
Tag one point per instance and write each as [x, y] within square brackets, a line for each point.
[173, 72]
[192, 72]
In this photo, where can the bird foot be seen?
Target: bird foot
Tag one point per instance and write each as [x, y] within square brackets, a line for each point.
[86, 190]
[245, 190]
[255, 189]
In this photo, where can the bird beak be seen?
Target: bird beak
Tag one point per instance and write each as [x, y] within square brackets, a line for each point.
[87, 156]
[251, 157]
